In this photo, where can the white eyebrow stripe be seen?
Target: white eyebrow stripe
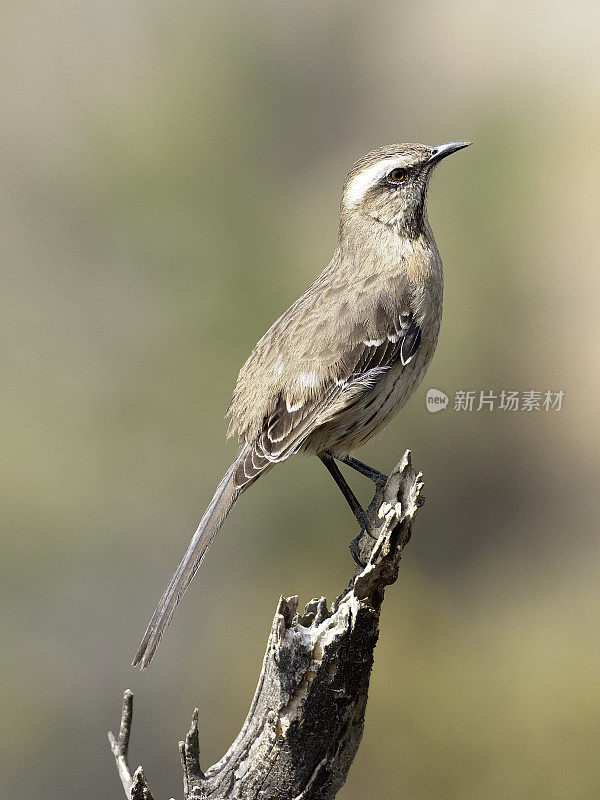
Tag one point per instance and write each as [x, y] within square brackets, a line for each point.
[367, 178]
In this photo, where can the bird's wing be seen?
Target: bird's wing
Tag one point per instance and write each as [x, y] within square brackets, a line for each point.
[318, 394]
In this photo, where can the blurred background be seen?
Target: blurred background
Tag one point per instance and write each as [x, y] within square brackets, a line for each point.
[170, 181]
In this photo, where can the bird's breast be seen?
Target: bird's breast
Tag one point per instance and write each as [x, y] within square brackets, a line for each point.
[356, 425]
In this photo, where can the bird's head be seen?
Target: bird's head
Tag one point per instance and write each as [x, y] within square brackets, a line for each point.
[389, 184]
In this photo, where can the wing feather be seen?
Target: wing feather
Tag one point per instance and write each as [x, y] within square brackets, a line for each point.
[295, 415]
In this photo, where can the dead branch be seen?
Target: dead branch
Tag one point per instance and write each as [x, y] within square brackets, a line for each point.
[306, 720]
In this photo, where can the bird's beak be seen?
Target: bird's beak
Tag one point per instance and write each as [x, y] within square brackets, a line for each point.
[443, 150]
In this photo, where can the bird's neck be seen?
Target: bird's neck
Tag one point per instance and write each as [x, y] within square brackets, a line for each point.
[375, 248]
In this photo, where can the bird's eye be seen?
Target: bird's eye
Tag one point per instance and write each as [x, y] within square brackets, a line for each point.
[397, 175]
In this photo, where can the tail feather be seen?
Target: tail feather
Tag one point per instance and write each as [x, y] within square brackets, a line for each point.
[225, 496]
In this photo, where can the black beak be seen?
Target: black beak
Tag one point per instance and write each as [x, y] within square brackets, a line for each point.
[443, 150]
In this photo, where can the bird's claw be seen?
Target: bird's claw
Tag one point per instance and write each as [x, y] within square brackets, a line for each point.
[353, 547]
[367, 519]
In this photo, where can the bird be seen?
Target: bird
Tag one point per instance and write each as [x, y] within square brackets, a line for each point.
[345, 357]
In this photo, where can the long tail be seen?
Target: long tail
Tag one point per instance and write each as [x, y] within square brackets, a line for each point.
[225, 496]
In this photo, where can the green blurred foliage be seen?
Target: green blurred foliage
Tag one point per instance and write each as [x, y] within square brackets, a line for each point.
[170, 182]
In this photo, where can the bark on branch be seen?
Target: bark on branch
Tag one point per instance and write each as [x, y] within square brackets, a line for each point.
[306, 720]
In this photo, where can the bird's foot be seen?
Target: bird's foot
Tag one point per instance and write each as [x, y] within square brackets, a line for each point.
[371, 514]
[354, 550]
[365, 520]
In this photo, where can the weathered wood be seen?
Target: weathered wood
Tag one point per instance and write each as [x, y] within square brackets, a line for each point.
[306, 720]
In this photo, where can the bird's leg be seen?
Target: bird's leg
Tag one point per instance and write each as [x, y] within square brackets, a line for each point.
[356, 507]
[375, 502]
[378, 478]
[369, 472]
[337, 476]
[353, 547]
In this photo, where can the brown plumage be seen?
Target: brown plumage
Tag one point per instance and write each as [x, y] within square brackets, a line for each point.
[346, 356]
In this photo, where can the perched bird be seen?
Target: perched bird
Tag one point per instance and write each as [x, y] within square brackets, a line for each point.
[345, 357]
